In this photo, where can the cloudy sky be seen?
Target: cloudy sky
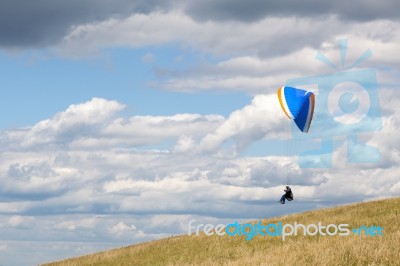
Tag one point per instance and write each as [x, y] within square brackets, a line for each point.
[121, 121]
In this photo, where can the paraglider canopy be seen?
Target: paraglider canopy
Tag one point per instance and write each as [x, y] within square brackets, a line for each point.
[298, 105]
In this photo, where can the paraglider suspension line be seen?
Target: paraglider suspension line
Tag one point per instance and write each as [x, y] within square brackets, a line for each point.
[288, 142]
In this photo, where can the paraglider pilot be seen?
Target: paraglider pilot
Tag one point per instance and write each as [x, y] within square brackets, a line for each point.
[288, 195]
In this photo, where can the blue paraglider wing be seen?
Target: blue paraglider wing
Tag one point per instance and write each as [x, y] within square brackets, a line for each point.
[298, 105]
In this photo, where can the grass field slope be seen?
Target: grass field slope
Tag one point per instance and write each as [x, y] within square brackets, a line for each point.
[267, 250]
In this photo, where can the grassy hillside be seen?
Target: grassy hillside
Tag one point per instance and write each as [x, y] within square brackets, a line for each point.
[296, 250]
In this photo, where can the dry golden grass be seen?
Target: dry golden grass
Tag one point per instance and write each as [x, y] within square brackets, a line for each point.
[296, 250]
